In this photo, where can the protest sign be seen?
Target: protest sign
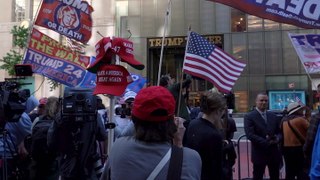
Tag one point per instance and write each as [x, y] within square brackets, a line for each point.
[71, 18]
[50, 58]
[305, 14]
[307, 47]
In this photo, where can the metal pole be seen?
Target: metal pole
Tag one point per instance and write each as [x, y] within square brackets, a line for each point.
[111, 131]
[163, 38]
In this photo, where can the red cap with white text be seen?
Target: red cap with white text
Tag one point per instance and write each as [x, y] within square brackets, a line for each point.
[112, 80]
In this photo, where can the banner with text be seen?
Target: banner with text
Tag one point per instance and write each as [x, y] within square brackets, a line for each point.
[89, 80]
[51, 59]
[307, 47]
[71, 18]
[305, 14]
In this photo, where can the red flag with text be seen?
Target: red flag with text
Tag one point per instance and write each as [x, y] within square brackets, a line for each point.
[71, 18]
[205, 60]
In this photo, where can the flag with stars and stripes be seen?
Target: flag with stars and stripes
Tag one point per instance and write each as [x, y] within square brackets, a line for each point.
[205, 60]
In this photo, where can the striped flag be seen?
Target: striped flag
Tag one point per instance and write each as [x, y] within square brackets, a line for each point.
[75, 46]
[298, 100]
[205, 60]
[291, 85]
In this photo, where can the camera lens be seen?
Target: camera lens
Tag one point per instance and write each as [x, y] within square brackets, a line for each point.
[80, 97]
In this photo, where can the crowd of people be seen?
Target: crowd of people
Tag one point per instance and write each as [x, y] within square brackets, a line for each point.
[155, 140]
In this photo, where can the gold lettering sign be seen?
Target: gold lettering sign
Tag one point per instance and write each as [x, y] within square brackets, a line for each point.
[181, 41]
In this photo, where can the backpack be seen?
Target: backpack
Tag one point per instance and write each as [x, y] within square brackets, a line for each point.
[39, 148]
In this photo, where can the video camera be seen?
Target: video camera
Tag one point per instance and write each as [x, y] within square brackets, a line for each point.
[79, 105]
[12, 101]
[123, 111]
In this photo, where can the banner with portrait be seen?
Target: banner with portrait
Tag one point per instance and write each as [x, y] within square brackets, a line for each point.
[51, 59]
[71, 18]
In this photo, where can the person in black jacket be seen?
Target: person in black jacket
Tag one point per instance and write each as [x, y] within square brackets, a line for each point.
[262, 128]
[206, 137]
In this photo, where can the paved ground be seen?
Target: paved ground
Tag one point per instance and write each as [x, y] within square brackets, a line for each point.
[244, 163]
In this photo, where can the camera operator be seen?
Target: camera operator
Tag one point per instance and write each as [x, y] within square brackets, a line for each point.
[12, 147]
[74, 133]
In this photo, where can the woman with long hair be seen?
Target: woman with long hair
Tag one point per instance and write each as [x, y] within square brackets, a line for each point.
[205, 136]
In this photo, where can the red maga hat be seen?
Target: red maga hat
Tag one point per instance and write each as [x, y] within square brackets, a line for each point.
[152, 99]
[124, 49]
[104, 54]
[112, 80]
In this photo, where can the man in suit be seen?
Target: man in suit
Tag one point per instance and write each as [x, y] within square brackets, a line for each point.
[262, 128]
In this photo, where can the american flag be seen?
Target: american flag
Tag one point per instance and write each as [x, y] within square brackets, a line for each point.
[298, 100]
[205, 60]
[75, 46]
[291, 85]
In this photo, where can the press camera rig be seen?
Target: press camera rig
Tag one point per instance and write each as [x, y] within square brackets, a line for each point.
[12, 101]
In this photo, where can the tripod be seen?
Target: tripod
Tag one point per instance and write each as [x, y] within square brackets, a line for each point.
[6, 145]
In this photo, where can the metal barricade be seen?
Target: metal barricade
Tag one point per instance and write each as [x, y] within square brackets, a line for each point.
[244, 159]
[244, 165]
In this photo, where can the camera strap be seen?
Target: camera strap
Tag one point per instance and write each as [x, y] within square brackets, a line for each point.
[175, 166]
[161, 164]
[175, 154]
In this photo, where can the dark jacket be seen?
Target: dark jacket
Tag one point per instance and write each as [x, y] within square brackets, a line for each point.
[257, 131]
[206, 139]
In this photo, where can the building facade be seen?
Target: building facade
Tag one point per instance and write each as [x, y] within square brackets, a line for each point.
[272, 63]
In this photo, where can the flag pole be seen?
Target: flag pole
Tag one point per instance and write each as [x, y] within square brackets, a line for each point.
[115, 60]
[181, 78]
[163, 38]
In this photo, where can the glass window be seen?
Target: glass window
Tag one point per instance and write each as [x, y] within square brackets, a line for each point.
[282, 82]
[242, 83]
[239, 48]
[276, 82]
[273, 52]
[288, 26]
[271, 25]
[290, 58]
[238, 21]
[300, 82]
[256, 63]
[254, 23]
[256, 85]
[20, 10]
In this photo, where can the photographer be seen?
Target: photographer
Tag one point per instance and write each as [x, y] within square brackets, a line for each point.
[125, 126]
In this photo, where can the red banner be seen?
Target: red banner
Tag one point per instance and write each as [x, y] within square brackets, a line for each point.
[71, 18]
[305, 14]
